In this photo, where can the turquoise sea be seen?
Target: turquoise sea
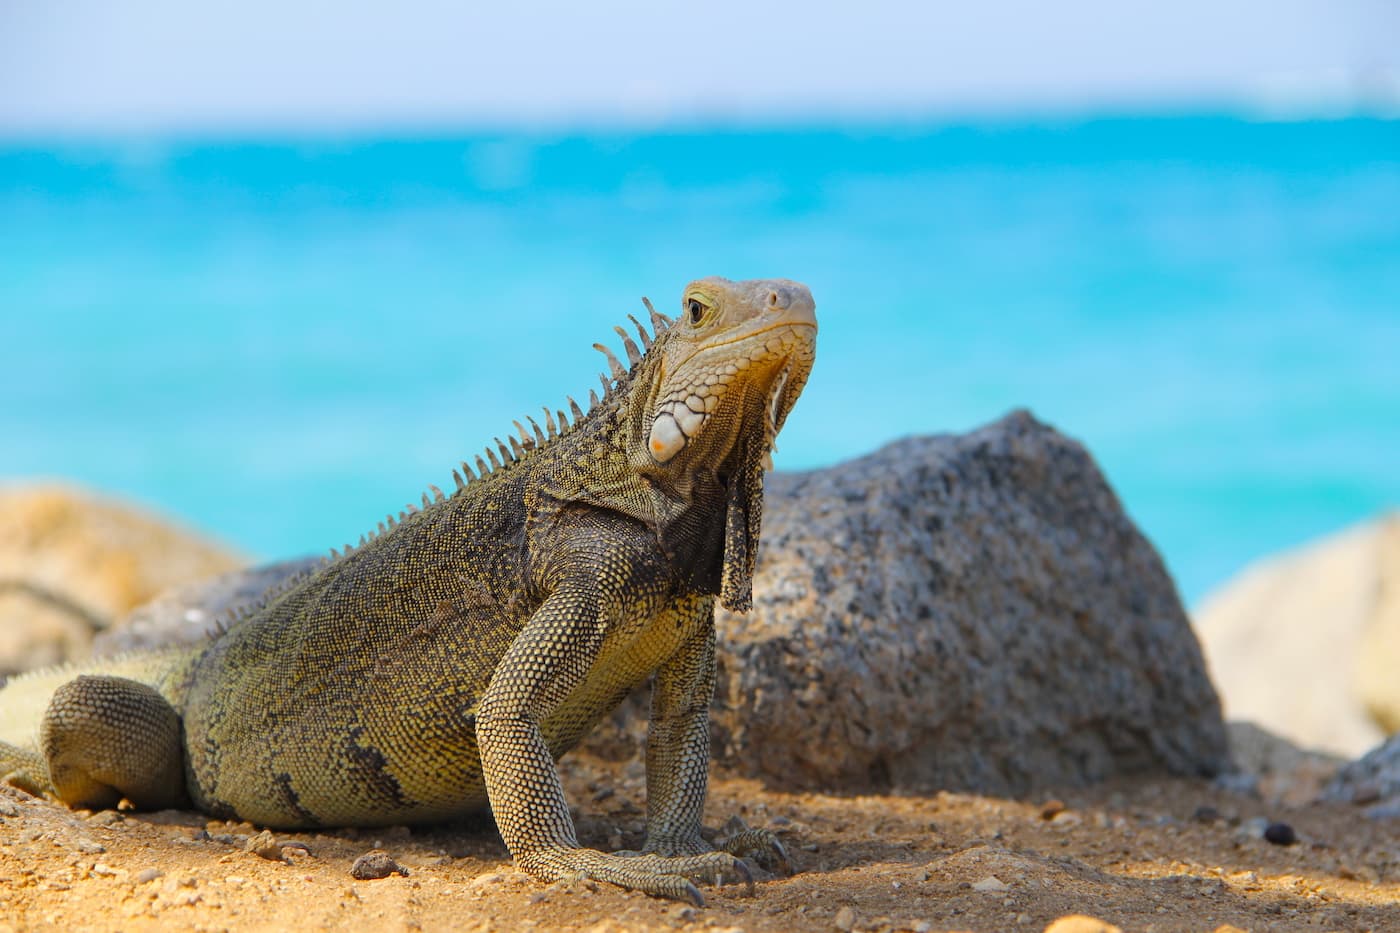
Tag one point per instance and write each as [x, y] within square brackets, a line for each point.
[279, 340]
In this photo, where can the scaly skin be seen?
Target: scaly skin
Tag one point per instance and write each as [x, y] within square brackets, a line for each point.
[448, 661]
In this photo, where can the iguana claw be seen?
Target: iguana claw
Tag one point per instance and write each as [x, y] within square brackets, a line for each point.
[762, 846]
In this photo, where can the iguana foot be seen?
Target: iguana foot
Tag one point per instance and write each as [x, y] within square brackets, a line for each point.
[760, 845]
[672, 876]
[24, 769]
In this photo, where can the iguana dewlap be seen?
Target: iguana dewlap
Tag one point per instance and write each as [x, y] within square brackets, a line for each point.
[448, 660]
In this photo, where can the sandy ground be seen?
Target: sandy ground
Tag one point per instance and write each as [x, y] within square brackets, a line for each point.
[1146, 856]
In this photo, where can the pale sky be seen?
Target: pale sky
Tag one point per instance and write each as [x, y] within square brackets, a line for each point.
[97, 66]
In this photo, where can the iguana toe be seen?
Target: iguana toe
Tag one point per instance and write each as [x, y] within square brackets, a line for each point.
[763, 847]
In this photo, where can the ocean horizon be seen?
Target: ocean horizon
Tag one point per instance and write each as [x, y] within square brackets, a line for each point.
[278, 340]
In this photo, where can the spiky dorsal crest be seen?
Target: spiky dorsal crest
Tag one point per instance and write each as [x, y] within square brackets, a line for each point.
[503, 457]
[614, 366]
[641, 331]
[230, 617]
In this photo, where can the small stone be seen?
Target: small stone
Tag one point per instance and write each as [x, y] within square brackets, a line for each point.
[845, 919]
[106, 818]
[8, 809]
[375, 865]
[264, 844]
[1361, 873]
[1206, 814]
[148, 875]
[989, 884]
[1280, 834]
[1051, 808]
[1081, 923]
[298, 849]
[1366, 792]
[88, 847]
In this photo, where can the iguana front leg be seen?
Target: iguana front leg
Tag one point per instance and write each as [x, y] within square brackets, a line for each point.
[678, 755]
[678, 743]
[549, 659]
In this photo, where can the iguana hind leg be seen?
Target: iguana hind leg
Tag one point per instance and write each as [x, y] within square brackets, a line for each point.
[105, 738]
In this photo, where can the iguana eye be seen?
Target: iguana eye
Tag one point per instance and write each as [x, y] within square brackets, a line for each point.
[697, 311]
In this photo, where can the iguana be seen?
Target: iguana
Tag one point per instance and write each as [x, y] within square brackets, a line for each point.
[447, 661]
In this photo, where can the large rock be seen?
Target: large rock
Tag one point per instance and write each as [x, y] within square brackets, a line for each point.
[1307, 644]
[70, 562]
[970, 612]
[963, 612]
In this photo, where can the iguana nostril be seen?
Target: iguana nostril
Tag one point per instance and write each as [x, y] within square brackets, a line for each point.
[773, 300]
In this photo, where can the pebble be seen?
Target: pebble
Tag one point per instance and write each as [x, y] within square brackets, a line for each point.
[845, 919]
[148, 875]
[1051, 809]
[264, 844]
[991, 883]
[1280, 834]
[1206, 814]
[375, 865]
[1366, 792]
[8, 809]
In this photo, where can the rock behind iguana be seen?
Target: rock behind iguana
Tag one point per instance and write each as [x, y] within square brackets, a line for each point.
[450, 658]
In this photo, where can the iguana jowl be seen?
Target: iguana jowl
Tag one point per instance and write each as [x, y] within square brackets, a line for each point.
[451, 658]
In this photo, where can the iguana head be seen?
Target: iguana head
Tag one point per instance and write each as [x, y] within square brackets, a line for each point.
[723, 377]
[730, 367]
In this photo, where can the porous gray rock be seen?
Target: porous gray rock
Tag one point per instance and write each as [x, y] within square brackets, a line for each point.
[967, 612]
